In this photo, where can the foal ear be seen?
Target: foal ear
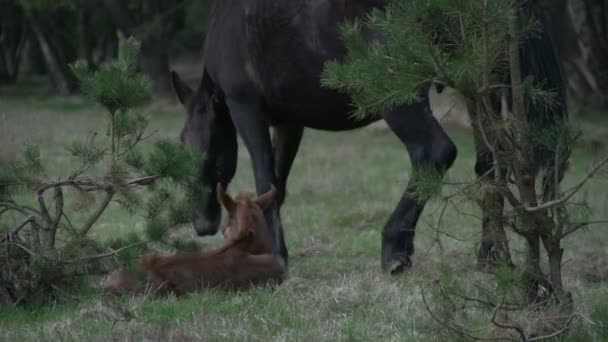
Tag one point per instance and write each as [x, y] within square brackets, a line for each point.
[224, 198]
[182, 90]
[265, 200]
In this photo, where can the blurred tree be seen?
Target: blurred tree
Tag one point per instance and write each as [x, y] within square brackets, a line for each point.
[13, 35]
[591, 69]
[153, 22]
[580, 31]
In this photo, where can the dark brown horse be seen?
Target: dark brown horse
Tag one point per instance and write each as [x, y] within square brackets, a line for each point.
[263, 61]
[245, 260]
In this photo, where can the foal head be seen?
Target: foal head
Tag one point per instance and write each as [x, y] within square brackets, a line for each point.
[246, 218]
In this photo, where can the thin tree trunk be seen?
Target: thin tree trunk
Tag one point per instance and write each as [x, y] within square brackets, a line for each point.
[85, 48]
[12, 45]
[533, 271]
[154, 62]
[58, 72]
[588, 71]
[494, 248]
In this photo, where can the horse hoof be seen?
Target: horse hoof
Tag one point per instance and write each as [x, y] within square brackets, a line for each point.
[398, 266]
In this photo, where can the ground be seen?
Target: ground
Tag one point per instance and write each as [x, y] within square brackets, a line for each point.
[342, 189]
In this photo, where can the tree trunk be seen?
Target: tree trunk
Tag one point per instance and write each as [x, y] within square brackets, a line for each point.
[85, 46]
[588, 72]
[61, 81]
[533, 274]
[13, 36]
[154, 62]
[494, 248]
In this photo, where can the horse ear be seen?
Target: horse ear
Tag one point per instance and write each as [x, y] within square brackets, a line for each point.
[265, 200]
[224, 198]
[183, 91]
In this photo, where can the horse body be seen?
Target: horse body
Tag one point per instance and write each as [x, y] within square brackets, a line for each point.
[263, 62]
[275, 51]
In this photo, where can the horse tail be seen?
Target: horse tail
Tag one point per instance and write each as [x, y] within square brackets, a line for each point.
[539, 59]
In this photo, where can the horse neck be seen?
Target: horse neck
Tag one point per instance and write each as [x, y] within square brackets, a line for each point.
[239, 244]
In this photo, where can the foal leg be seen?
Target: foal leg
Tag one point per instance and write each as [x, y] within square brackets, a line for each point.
[285, 142]
[253, 128]
[428, 146]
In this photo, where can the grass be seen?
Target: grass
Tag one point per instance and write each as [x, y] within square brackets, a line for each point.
[342, 189]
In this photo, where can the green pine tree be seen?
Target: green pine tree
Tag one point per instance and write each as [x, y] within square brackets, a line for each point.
[473, 47]
[158, 184]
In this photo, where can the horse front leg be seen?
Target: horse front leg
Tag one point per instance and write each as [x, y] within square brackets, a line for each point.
[285, 142]
[251, 125]
[428, 146]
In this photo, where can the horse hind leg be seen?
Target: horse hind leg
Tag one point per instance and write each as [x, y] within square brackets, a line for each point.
[428, 146]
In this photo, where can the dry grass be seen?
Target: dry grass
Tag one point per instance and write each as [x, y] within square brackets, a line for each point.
[342, 190]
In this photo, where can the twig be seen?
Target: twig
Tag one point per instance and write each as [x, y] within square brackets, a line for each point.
[147, 180]
[508, 307]
[451, 325]
[438, 229]
[571, 192]
[22, 247]
[8, 235]
[517, 328]
[561, 331]
[580, 225]
[114, 252]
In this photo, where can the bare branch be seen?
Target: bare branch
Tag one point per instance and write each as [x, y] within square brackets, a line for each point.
[559, 332]
[95, 183]
[22, 247]
[571, 192]
[114, 252]
[580, 225]
[87, 226]
[147, 180]
[9, 235]
[455, 327]
[58, 213]
[46, 216]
